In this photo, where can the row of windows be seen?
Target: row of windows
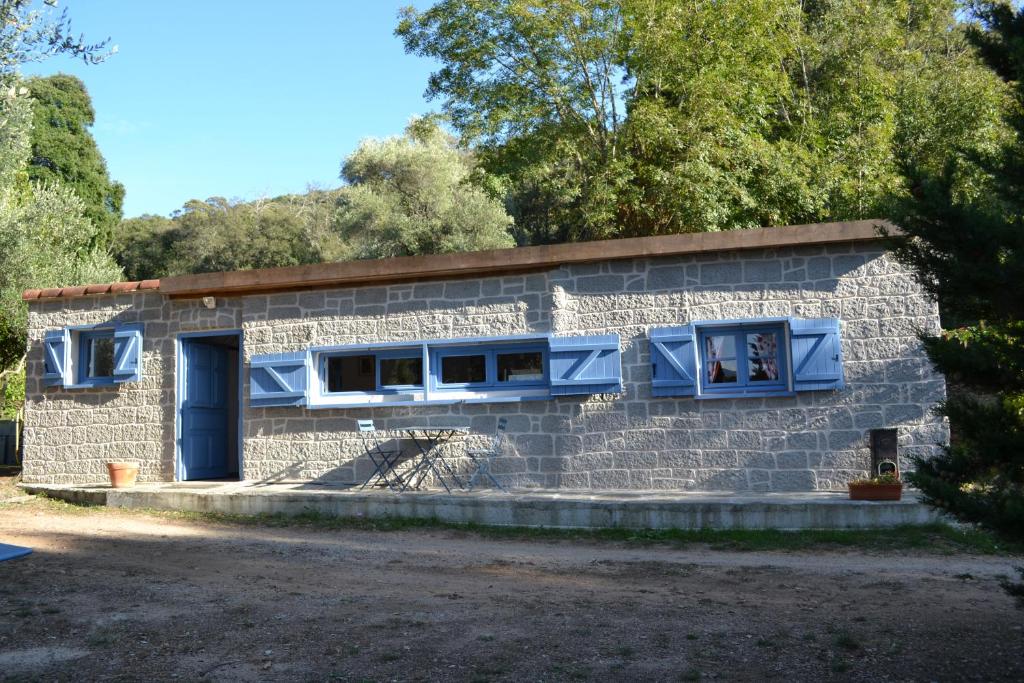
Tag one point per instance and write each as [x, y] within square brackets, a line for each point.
[705, 359]
[453, 369]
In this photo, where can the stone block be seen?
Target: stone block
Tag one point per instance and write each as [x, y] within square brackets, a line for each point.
[600, 284]
[730, 273]
[819, 268]
[534, 444]
[755, 272]
[666, 277]
[794, 480]
[788, 460]
[462, 289]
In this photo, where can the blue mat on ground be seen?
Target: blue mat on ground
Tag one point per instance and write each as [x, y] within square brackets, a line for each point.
[9, 552]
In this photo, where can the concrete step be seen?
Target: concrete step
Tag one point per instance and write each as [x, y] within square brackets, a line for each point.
[534, 508]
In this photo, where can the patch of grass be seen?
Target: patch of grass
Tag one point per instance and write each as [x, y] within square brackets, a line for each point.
[931, 538]
[692, 636]
[846, 641]
[938, 538]
[102, 637]
[840, 665]
[690, 675]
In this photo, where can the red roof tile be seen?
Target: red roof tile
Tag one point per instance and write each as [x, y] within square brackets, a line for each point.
[109, 288]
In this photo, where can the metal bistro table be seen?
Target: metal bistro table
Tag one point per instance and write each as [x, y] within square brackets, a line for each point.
[427, 440]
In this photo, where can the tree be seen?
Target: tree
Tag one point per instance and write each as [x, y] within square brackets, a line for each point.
[35, 220]
[218, 235]
[142, 246]
[63, 149]
[644, 117]
[968, 252]
[416, 195]
[29, 34]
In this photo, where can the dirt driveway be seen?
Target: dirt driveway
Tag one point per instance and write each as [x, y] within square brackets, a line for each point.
[126, 596]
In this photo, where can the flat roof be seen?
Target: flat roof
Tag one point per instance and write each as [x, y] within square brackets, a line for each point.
[481, 263]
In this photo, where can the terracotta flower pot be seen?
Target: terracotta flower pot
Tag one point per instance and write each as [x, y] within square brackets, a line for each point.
[875, 491]
[122, 474]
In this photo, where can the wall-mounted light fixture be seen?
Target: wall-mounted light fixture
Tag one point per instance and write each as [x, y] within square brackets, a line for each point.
[209, 302]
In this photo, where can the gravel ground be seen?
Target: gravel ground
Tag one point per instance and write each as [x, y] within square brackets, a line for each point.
[116, 595]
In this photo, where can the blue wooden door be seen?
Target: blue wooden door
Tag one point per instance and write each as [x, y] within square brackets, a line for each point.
[204, 412]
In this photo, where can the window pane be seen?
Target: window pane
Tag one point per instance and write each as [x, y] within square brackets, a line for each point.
[721, 372]
[463, 369]
[401, 371]
[763, 365]
[101, 357]
[521, 367]
[351, 373]
[720, 346]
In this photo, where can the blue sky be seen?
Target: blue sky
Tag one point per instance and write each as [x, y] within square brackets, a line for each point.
[240, 99]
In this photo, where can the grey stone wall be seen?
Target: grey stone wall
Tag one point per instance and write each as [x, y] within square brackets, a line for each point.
[71, 433]
[816, 440]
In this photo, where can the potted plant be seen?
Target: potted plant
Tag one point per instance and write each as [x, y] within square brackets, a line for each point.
[882, 487]
[122, 474]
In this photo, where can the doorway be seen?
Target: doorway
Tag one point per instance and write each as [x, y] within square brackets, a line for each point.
[209, 405]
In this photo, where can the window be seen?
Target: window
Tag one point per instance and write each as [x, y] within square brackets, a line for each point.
[757, 357]
[464, 369]
[742, 359]
[401, 372]
[525, 366]
[77, 357]
[96, 356]
[372, 372]
[351, 373]
[482, 367]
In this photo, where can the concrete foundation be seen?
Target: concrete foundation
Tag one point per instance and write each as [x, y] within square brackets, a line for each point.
[552, 509]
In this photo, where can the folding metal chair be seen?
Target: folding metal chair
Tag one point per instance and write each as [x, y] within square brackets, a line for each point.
[481, 457]
[384, 458]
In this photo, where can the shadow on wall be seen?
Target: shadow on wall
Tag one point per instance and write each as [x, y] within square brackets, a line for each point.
[355, 466]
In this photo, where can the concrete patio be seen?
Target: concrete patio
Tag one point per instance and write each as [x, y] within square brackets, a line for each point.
[531, 508]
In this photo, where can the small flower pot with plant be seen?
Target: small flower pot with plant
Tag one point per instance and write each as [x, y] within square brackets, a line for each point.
[882, 487]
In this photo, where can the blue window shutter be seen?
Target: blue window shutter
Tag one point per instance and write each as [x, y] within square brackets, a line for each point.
[673, 361]
[54, 358]
[128, 353]
[817, 356]
[278, 379]
[585, 365]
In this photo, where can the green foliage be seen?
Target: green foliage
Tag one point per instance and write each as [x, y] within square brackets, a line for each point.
[217, 235]
[143, 245]
[29, 33]
[880, 480]
[64, 150]
[967, 250]
[645, 117]
[48, 242]
[37, 222]
[12, 392]
[414, 195]
[417, 194]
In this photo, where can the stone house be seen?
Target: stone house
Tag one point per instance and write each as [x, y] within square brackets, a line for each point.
[758, 360]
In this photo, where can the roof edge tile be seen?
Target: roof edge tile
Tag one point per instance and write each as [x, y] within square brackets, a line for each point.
[86, 290]
[517, 259]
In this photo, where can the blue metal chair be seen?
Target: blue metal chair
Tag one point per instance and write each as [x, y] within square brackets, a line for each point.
[481, 457]
[383, 457]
